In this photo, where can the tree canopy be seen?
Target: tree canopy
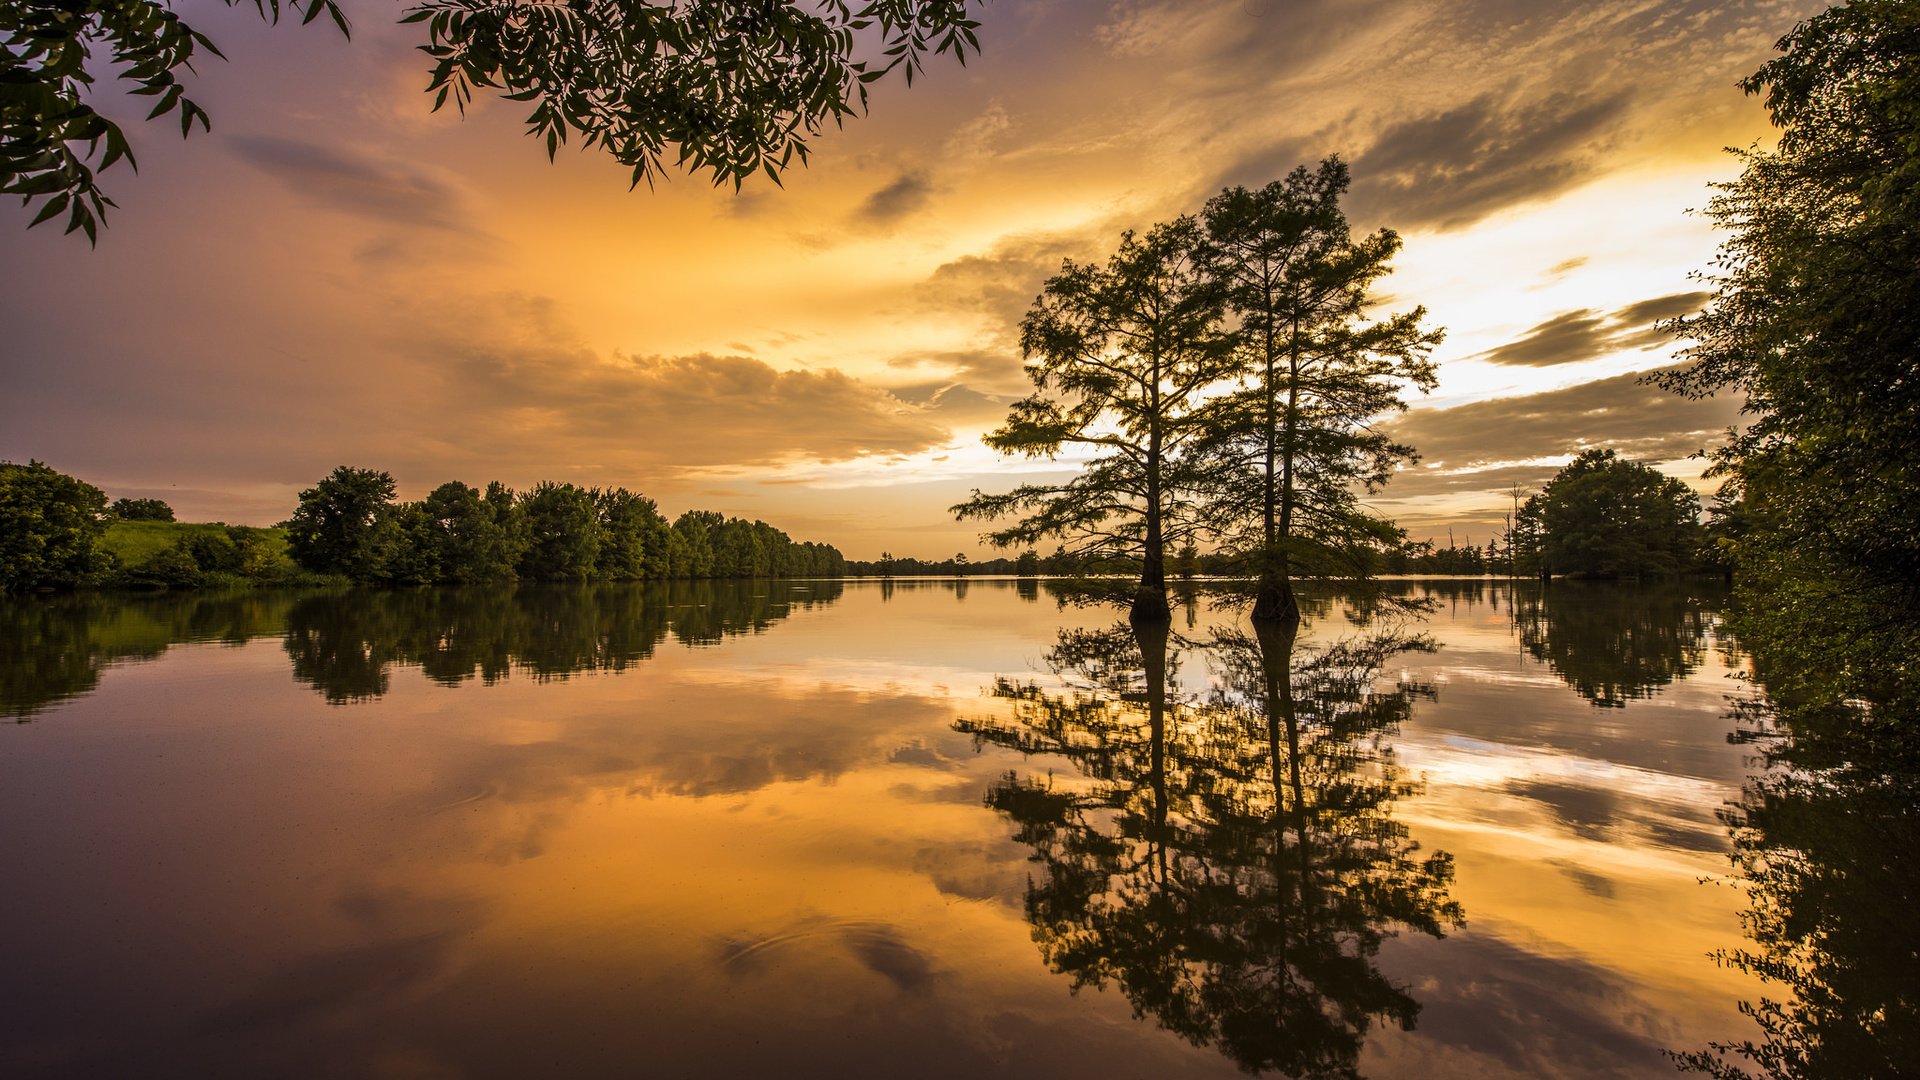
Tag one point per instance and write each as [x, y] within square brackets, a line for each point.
[50, 529]
[1816, 321]
[727, 88]
[1296, 438]
[1119, 355]
[1605, 516]
[141, 510]
[1219, 381]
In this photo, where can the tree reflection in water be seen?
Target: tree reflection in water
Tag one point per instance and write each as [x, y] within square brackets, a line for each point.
[1615, 644]
[56, 648]
[1229, 861]
[345, 644]
[1825, 841]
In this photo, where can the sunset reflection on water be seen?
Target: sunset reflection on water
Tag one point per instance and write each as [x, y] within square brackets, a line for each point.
[743, 830]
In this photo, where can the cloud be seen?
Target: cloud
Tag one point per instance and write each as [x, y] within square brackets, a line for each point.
[1449, 112]
[1530, 1011]
[384, 190]
[515, 383]
[1585, 334]
[899, 198]
[1478, 446]
[994, 372]
[979, 137]
[1448, 169]
[1662, 307]
[1001, 285]
[958, 404]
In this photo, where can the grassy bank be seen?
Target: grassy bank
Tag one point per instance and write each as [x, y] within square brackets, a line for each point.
[136, 542]
[180, 554]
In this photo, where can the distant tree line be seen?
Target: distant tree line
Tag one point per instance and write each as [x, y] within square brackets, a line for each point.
[1029, 563]
[141, 510]
[351, 524]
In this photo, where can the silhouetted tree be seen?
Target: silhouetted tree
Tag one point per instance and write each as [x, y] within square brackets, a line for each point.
[1119, 355]
[1816, 321]
[1605, 516]
[1296, 440]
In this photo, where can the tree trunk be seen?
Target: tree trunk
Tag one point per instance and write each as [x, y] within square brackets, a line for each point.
[1150, 606]
[1153, 640]
[1273, 601]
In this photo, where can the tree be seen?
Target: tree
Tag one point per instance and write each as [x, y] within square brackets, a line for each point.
[346, 524]
[1119, 356]
[1297, 438]
[563, 533]
[50, 529]
[468, 542]
[633, 536]
[141, 510]
[723, 87]
[1815, 319]
[1605, 516]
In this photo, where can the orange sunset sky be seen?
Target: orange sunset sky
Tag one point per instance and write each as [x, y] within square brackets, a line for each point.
[337, 275]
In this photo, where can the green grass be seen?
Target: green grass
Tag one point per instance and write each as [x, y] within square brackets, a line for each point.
[135, 542]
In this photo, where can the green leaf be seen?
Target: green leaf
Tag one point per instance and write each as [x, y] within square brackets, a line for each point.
[51, 210]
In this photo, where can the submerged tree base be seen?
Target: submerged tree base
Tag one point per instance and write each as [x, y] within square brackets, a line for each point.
[1150, 608]
[1274, 604]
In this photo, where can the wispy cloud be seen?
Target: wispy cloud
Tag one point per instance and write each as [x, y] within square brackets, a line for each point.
[1586, 334]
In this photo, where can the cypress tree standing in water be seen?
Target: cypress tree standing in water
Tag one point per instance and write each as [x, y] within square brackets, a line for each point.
[1119, 356]
[1297, 438]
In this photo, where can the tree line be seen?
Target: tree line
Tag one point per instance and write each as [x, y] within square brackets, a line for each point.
[1220, 376]
[350, 524]
[351, 527]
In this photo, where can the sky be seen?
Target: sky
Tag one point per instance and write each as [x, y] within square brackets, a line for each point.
[338, 275]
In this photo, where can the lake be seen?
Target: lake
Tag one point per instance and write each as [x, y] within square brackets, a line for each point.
[909, 828]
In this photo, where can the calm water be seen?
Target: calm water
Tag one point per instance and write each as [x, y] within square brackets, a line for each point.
[901, 829]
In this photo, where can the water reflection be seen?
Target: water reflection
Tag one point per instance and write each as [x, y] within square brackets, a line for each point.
[1825, 842]
[57, 647]
[346, 644]
[1615, 645]
[1230, 861]
[772, 858]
